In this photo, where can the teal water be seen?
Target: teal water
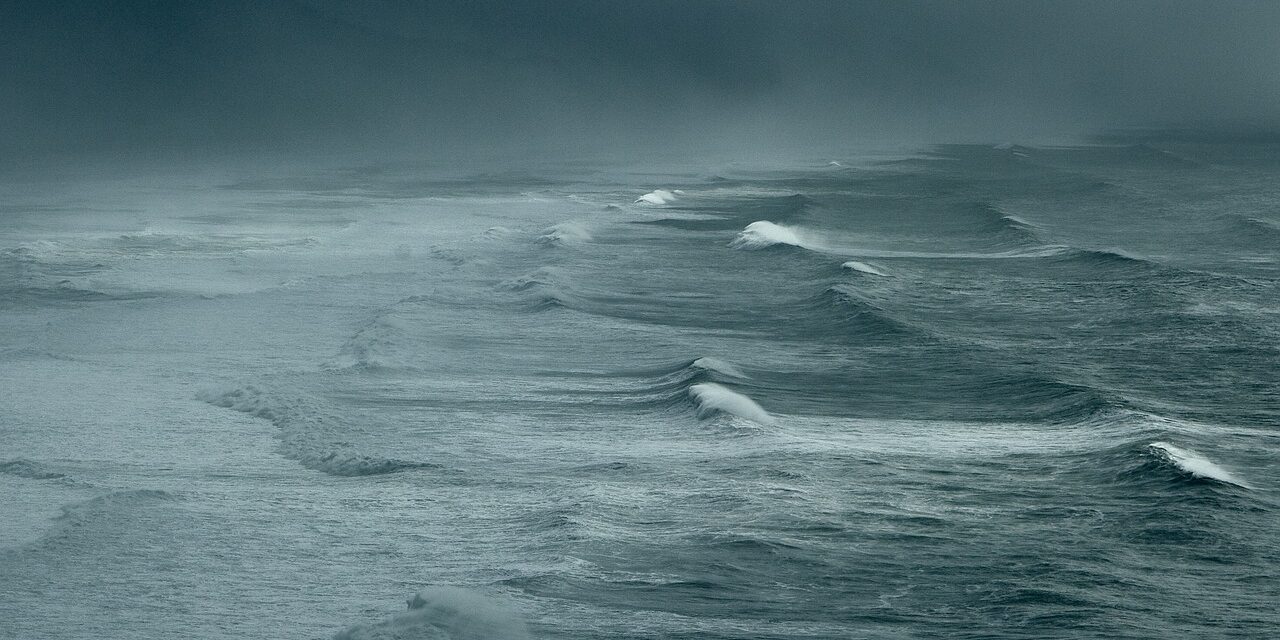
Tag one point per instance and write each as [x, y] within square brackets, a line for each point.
[968, 392]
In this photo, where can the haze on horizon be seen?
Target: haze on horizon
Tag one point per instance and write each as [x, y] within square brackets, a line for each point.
[130, 81]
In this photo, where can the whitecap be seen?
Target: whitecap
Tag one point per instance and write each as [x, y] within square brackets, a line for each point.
[565, 233]
[762, 234]
[713, 398]
[1195, 464]
[864, 268]
[657, 196]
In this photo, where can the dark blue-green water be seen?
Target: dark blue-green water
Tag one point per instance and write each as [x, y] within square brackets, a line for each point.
[971, 392]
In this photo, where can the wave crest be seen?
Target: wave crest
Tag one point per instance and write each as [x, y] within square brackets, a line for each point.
[657, 196]
[1194, 464]
[713, 398]
[862, 267]
[564, 234]
[763, 234]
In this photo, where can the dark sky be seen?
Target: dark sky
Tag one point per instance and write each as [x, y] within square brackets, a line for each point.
[128, 79]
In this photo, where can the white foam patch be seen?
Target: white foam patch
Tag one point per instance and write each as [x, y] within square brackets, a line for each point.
[762, 234]
[713, 398]
[657, 196]
[863, 267]
[1195, 464]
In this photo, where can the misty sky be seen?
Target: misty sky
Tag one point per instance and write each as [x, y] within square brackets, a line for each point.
[97, 78]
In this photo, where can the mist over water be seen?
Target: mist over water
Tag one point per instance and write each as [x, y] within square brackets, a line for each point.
[158, 83]
[656, 320]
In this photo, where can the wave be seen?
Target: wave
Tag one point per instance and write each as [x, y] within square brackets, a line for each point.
[712, 399]
[374, 346]
[718, 366]
[119, 504]
[446, 613]
[1254, 231]
[564, 234]
[1194, 464]
[658, 196]
[66, 292]
[763, 234]
[544, 289]
[841, 307]
[307, 434]
[666, 387]
[1004, 229]
[1048, 399]
[863, 267]
[24, 468]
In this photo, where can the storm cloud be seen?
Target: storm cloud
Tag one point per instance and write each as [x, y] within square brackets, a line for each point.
[175, 77]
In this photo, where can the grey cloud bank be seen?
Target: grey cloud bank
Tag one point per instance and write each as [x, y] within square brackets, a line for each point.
[181, 78]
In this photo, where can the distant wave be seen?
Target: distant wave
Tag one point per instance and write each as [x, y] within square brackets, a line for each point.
[1194, 464]
[446, 613]
[763, 234]
[23, 468]
[307, 435]
[543, 289]
[863, 267]
[1253, 231]
[1102, 257]
[66, 292]
[712, 398]
[1003, 229]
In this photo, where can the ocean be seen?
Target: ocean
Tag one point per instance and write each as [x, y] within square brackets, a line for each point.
[965, 391]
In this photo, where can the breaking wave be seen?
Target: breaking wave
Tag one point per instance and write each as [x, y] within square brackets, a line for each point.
[564, 234]
[307, 434]
[659, 196]
[862, 267]
[763, 234]
[1194, 464]
[713, 399]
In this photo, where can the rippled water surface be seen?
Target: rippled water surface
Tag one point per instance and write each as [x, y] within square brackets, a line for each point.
[971, 392]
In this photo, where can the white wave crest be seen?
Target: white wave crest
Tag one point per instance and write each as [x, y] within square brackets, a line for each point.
[1195, 464]
[762, 234]
[565, 233]
[864, 268]
[713, 398]
[658, 196]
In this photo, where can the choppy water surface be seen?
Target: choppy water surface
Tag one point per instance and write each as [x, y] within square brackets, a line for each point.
[975, 392]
